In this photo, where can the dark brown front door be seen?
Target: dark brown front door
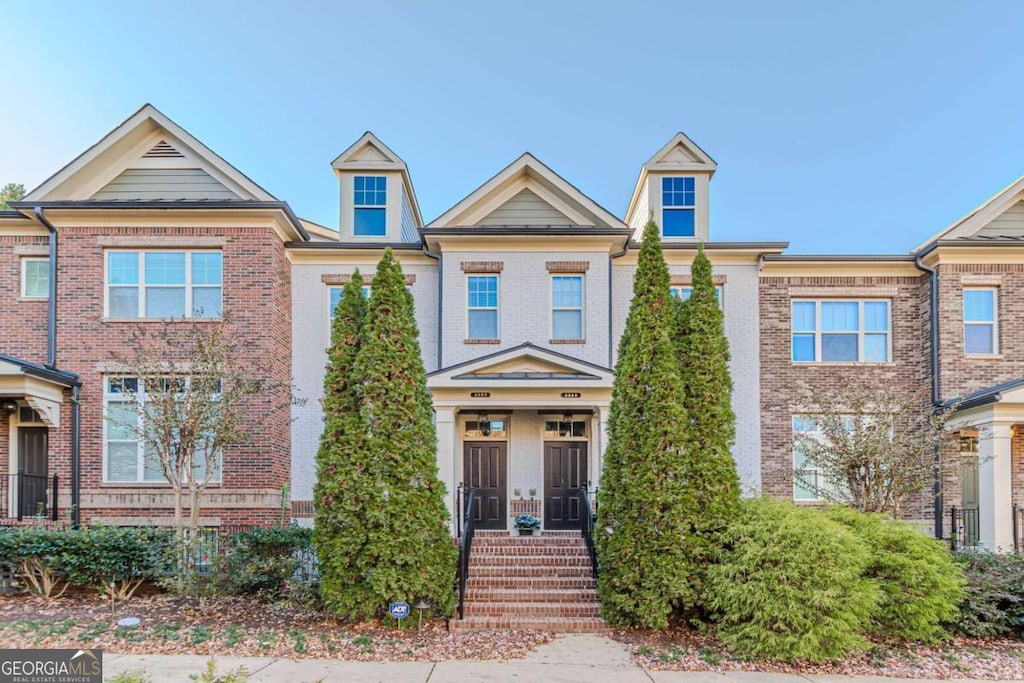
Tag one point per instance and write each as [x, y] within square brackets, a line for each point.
[565, 475]
[32, 465]
[484, 465]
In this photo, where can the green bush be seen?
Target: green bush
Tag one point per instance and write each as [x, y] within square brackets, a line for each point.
[921, 587]
[994, 598]
[113, 560]
[790, 585]
[265, 561]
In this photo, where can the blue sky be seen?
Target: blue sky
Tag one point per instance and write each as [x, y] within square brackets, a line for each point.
[841, 127]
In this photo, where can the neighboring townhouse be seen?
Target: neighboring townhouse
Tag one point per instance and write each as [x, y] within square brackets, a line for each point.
[521, 293]
[147, 225]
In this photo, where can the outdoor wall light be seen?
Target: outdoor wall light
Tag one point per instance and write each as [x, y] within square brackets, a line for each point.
[483, 424]
[565, 426]
[11, 407]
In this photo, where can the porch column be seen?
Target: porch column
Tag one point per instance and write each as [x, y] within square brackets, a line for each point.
[601, 442]
[995, 486]
[445, 426]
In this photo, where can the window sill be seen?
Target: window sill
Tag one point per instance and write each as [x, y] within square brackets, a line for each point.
[567, 341]
[162, 320]
[148, 485]
[842, 364]
[41, 299]
[481, 341]
[984, 356]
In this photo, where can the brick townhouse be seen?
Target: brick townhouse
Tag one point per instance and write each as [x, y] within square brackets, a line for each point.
[521, 292]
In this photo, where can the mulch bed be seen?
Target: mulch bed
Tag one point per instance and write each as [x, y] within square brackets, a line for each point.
[688, 650]
[241, 627]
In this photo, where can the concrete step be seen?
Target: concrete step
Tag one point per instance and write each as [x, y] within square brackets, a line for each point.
[544, 560]
[552, 624]
[481, 594]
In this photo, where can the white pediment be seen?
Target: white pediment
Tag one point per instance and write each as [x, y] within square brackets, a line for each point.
[522, 366]
[681, 154]
[1002, 216]
[368, 153]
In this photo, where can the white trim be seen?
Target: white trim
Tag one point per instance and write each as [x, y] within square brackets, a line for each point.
[582, 308]
[860, 332]
[994, 322]
[25, 260]
[142, 286]
[496, 308]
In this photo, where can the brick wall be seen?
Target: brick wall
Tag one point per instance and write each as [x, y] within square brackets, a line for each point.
[784, 382]
[22, 321]
[257, 306]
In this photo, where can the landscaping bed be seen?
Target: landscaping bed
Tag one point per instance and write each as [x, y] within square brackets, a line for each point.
[240, 626]
[688, 650]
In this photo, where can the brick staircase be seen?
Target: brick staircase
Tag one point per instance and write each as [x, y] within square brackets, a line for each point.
[542, 583]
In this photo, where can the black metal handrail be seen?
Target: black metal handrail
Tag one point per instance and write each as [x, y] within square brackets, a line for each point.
[1018, 528]
[587, 528]
[468, 529]
[32, 496]
[965, 527]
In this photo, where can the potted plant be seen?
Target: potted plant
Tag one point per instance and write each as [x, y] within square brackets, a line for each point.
[526, 524]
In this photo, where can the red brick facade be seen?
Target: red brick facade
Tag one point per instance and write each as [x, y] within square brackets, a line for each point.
[257, 308]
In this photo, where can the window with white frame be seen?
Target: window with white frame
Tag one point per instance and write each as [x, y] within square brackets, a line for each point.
[678, 203]
[567, 307]
[980, 319]
[164, 284]
[807, 480]
[336, 292]
[35, 277]
[834, 331]
[125, 456]
[482, 306]
[370, 197]
[685, 293]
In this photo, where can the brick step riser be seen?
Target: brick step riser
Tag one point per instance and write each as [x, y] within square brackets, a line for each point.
[532, 561]
[521, 610]
[557, 625]
[552, 571]
[504, 533]
[527, 540]
[531, 583]
[513, 595]
[520, 551]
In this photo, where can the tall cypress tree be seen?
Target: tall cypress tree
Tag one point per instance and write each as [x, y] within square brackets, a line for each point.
[341, 490]
[409, 552]
[703, 352]
[646, 502]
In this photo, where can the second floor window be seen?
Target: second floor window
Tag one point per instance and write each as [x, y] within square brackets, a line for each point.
[164, 284]
[685, 293]
[980, 322]
[35, 277]
[567, 307]
[482, 306]
[678, 201]
[840, 331]
[370, 198]
[336, 293]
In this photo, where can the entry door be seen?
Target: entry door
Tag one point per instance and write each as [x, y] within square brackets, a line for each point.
[32, 461]
[484, 466]
[565, 475]
[971, 502]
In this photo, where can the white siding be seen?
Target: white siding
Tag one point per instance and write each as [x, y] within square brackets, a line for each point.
[311, 337]
[742, 328]
[642, 212]
[1008, 224]
[409, 232]
[164, 183]
[526, 208]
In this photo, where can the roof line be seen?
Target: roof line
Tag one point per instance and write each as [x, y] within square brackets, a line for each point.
[54, 375]
[839, 257]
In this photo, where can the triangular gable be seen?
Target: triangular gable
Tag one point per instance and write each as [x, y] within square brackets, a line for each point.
[1000, 216]
[368, 153]
[527, 173]
[148, 142]
[521, 366]
[526, 208]
[681, 154]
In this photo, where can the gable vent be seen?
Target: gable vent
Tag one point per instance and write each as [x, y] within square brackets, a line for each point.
[162, 150]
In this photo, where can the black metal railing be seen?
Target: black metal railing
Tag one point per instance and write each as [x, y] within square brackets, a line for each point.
[29, 496]
[467, 529]
[965, 527]
[587, 528]
[1018, 528]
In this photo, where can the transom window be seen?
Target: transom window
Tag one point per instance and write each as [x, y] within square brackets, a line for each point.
[554, 429]
[370, 196]
[840, 331]
[980, 321]
[35, 277]
[567, 307]
[336, 293]
[482, 305]
[125, 457]
[164, 284]
[678, 200]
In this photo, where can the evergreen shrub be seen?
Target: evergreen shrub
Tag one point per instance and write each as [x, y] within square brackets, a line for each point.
[993, 604]
[267, 562]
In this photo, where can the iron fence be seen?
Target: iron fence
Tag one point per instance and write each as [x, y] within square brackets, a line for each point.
[965, 528]
[29, 497]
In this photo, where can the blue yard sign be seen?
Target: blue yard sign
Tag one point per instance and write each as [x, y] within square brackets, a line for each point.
[399, 610]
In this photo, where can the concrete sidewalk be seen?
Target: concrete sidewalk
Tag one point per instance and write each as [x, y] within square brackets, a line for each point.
[568, 659]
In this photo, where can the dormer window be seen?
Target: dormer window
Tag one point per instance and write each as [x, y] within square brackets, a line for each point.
[678, 201]
[370, 198]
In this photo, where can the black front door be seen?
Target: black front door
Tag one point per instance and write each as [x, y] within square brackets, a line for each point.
[32, 464]
[565, 475]
[484, 465]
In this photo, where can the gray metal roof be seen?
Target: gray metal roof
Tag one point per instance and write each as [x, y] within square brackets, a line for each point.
[992, 394]
[54, 375]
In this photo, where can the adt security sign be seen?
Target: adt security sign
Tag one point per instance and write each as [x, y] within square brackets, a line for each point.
[399, 610]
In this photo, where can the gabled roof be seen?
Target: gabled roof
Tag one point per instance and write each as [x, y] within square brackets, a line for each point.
[967, 226]
[525, 365]
[368, 152]
[681, 154]
[146, 139]
[527, 172]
